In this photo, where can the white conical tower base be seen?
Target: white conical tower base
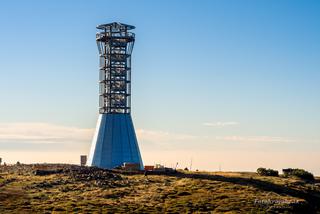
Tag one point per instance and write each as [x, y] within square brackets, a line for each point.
[114, 142]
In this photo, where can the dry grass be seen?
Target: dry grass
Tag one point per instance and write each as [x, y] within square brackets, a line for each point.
[201, 192]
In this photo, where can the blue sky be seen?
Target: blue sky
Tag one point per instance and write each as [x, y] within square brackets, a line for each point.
[231, 83]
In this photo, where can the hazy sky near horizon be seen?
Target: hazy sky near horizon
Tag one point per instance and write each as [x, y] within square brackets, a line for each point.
[228, 83]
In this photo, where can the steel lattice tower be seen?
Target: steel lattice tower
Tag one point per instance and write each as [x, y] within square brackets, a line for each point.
[114, 142]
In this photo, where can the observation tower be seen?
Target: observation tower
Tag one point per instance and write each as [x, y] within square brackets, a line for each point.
[115, 142]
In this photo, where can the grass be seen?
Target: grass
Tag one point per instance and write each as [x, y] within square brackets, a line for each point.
[191, 192]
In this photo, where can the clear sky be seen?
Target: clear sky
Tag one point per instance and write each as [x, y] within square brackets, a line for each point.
[229, 84]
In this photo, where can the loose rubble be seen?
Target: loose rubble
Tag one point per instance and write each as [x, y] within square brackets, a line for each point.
[93, 175]
[100, 177]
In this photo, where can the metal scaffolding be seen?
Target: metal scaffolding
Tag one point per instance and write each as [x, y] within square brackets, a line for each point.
[115, 44]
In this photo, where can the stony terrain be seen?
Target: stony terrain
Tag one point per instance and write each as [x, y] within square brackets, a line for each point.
[59, 188]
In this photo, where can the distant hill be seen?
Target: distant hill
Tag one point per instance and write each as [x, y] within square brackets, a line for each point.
[61, 188]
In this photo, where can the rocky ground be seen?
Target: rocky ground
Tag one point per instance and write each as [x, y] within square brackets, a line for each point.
[60, 188]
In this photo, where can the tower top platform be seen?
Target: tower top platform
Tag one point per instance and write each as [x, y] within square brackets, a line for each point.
[115, 27]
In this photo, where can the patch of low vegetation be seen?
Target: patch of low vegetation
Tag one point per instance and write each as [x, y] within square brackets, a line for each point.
[300, 173]
[60, 188]
[267, 172]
